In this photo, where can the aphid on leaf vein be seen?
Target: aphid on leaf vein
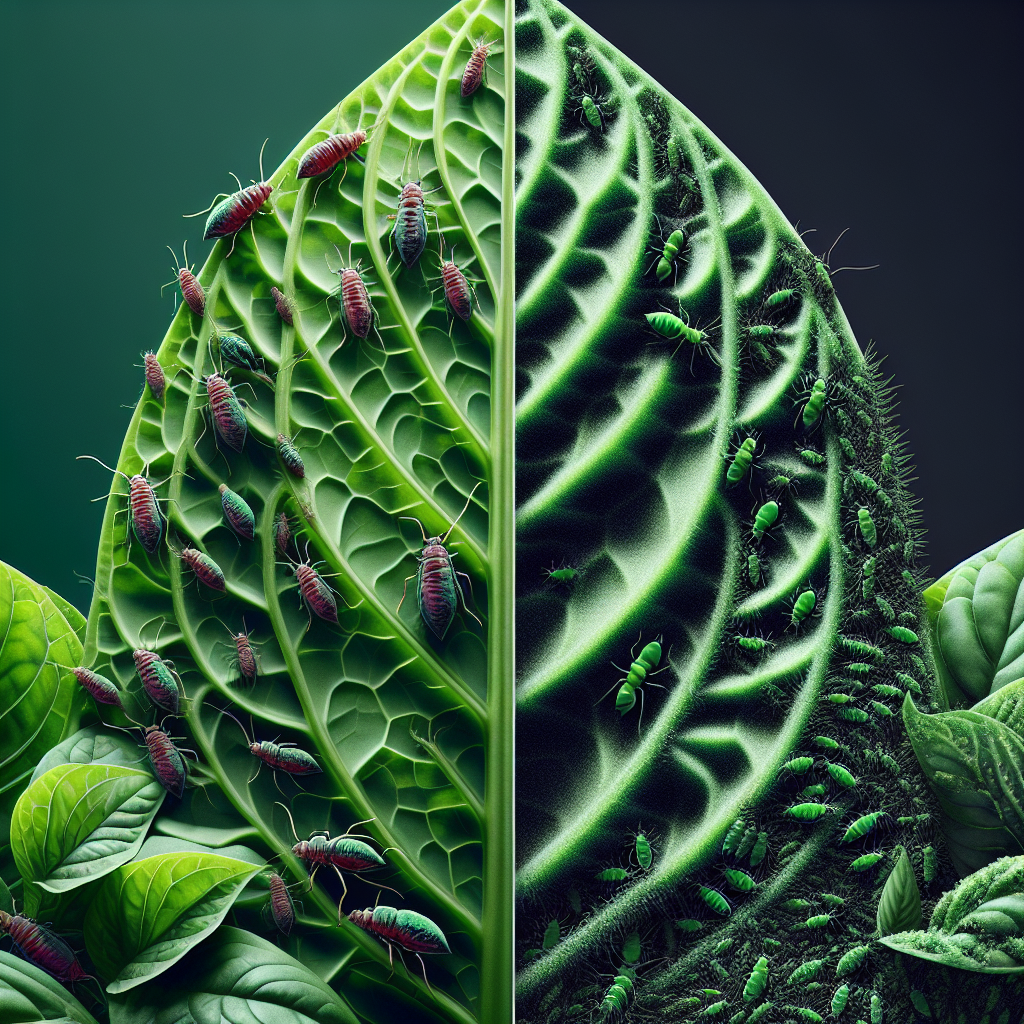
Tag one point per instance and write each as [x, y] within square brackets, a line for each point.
[459, 294]
[314, 592]
[143, 510]
[203, 567]
[402, 928]
[226, 412]
[612, 875]
[476, 69]
[282, 533]
[159, 680]
[638, 674]
[42, 947]
[438, 590]
[279, 757]
[290, 456]
[674, 328]
[343, 853]
[669, 251]
[643, 851]
[101, 689]
[238, 352]
[741, 461]
[324, 156]
[245, 656]
[755, 644]
[237, 513]
[283, 305]
[155, 377]
[357, 312]
[191, 290]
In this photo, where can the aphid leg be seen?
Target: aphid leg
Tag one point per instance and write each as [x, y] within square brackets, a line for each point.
[424, 967]
[344, 889]
[462, 594]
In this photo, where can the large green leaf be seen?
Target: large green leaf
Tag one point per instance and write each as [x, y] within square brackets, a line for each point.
[978, 926]
[78, 822]
[977, 616]
[236, 977]
[29, 994]
[148, 914]
[40, 701]
[975, 765]
[405, 726]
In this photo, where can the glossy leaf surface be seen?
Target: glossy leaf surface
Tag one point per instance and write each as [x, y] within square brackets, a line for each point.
[29, 994]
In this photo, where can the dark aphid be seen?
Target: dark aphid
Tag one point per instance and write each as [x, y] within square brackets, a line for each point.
[715, 900]
[866, 525]
[409, 233]
[226, 412]
[245, 656]
[191, 290]
[357, 312]
[326, 155]
[808, 811]
[289, 455]
[476, 68]
[757, 854]
[235, 211]
[161, 683]
[101, 689]
[904, 635]
[282, 907]
[930, 864]
[166, 760]
[612, 875]
[733, 836]
[747, 842]
[803, 606]
[203, 567]
[780, 298]
[739, 880]
[282, 532]
[143, 510]
[43, 948]
[402, 928]
[807, 971]
[850, 961]
[438, 590]
[814, 405]
[458, 292]
[283, 305]
[765, 518]
[841, 775]
[862, 826]
[752, 643]
[799, 765]
[279, 757]
[811, 457]
[155, 375]
[237, 513]
[238, 352]
[741, 461]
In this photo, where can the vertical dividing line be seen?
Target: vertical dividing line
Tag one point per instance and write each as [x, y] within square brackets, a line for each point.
[496, 999]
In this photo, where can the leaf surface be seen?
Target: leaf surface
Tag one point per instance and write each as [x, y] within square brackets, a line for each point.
[899, 907]
[29, 994]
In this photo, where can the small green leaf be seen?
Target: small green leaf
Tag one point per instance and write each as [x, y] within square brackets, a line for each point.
[79, 822]
[92, 745]
[27, 994]
[236, 977]
[899, 907]
[977, 616]
[148, 914]
[975, 765]
[552, 934]
[631, 949]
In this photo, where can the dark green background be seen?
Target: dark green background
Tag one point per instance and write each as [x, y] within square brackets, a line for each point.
[902, 120]
[117, 119]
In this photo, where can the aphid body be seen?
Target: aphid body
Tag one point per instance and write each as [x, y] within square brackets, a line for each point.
[326, 155]
[403, 928]
[166, 760]
[282, 532]
[283, 305]
[230, 215]
[814, 405]
[315, 593]
[43, 948]
[457, 291]
[757, 981]
[867, 528]
[191, 290]
[290, 456]
[155, 375]
[862, 826]
[205, 569]
[238, 352]
[803, 606]
[101, 689]
[409, 233]
[765, 518]
[282, 907]
[226, 412]
[675, 241]
[741, 461]
[642, 849]
[237, 513]
[245, 656]
[158, 680]
[356, 309]
[476, 66]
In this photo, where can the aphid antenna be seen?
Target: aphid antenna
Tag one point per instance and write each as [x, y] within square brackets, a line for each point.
[463, 512]
[291, 820]
[249, 741]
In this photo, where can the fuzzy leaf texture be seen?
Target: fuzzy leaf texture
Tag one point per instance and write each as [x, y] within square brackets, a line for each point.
[977, 616]
[977, 926]
[629, 428]
[404, 726]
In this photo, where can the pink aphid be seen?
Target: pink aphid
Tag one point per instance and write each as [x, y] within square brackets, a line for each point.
[283, 304]
[282, 907]
[101, 689]
[326, 155]
[205, 569]
[356, 308]
[43, 948]
[159, 680]
[316, 594]
[155, 375]
[457, 290]
[166, 759]
[191, 290]
[226, 411]
[282, 532]
[245, 656]
[143, 510]
[473, 76]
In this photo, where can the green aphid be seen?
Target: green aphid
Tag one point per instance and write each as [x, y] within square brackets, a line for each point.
[795, 906]
[909, 682]
[910, 579]
[753, 643]
[818, 921]
[840, 999]
[616, 999]
[733, 836]
[841, 698]
[711, 991]
[739, 880]
[850, 961]
[885, 609]
[876, 1008]
[826, 743]
[592, 112]
[715, 900]
[780, 482]
[887, 465]
[885, 690]
[674, 243]
[780, 298]
[741, 461]
[789, 849]
[689, 925]
[867, 587]
[866, 525]
[612, 875]
[854, 715]
[890, 763]
[757, 981]
[842, 419]
[746, 843]
[753, 568]
[919, 1003]
[674, 153]
[805, 972]
[861, 648]
[757, 854]
[841, 776]
[930, 863]
[862, 826]
[864, 418]
[552, 935]
[908, 618]
[860, 668]
[643, 851]
[799, 765]
[567, 574]
[722, 947]
[863, 481]
[814, 405]
[881, 709]
[803, 1013]
[815, 790]
[761, 330]
[919, 665]
[803, 606]
[765, 518]
[847, 449]
[811, 457]
[904, 635]
[832, 900]
[808, 811]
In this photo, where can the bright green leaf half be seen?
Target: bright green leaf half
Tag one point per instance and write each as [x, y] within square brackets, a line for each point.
[150, 913]
[899, 907]
[977, 616]
[79, 822]
[975, 765]
[29, 994]
[93, 745]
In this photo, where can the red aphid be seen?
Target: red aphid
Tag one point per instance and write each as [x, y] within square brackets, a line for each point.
[206, 570]
[158, 680]
[101, 689]
[282, 532]
[317, 595]
[326, 155]
[457, 290]
[231, 215]
[355, 301]
[155, 375]
[191, 290]
[166, 759]
[283, 304]
[473, 76]
[43, 948]
[227, 412]
[282, 908]
[147, 519]
[246, 656]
